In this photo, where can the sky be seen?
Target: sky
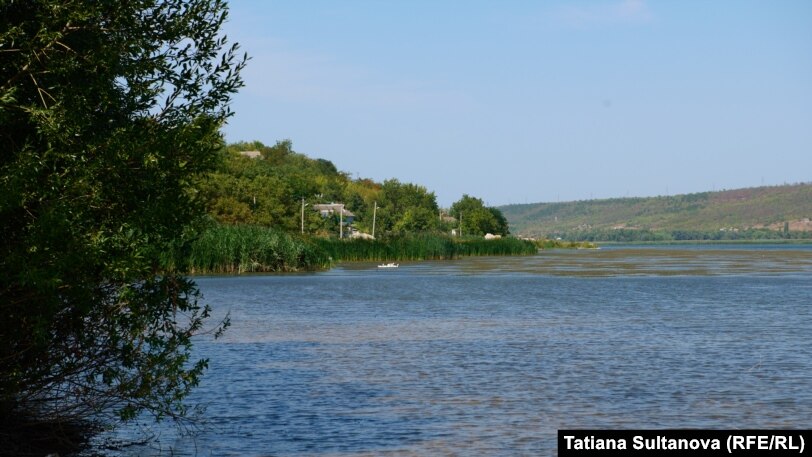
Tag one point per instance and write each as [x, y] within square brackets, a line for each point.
[534, 101]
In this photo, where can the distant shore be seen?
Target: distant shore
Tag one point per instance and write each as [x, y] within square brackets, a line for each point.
[707, 242]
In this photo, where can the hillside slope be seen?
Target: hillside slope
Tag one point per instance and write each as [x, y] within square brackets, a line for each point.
[772, 208]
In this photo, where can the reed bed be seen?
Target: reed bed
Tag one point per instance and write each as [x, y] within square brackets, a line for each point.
[501, 246]
[422, 247]
[245, 249]
[560, 244]
[235, 249]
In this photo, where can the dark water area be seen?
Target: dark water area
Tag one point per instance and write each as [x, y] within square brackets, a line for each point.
[491, 356]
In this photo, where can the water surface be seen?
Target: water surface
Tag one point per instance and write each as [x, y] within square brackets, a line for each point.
[490, 356]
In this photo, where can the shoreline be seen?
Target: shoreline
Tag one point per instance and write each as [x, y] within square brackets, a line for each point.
[707, 242]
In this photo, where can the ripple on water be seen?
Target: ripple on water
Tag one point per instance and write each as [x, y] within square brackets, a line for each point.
[491, 356]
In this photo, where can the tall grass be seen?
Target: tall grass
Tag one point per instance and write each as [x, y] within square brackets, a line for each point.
[247, 248]
[422, 247]
[560, 244]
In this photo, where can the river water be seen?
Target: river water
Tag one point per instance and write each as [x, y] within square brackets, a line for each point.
[490, 356]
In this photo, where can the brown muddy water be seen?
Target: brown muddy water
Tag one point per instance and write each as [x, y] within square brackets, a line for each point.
[491, 356]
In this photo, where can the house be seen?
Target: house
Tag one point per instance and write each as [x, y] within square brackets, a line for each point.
[328, 209]
[251, 154]
[444, 217]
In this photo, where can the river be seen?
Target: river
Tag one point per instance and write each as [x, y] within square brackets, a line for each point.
[490, 356]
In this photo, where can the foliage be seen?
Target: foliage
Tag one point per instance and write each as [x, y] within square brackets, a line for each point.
[405, 207]
[477, 219]
[234, 249]
[108, 111]
[502, 246]
[245, 248]
[560, 244]
[270, 190]
[422, 247]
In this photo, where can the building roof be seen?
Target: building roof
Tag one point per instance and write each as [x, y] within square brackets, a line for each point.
[333, 208]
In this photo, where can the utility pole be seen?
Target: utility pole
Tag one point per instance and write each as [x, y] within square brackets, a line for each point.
[460, 224]
[374, 214]
[341, 222]
[303, 205]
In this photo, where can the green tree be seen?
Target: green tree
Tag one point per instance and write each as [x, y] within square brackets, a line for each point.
[406, 208]
[277, 153]
[417, 220]
[108, 111]
[268, 190]
[477, 219]
[501, 227]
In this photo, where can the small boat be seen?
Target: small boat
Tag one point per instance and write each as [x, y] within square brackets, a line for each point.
[388, 265]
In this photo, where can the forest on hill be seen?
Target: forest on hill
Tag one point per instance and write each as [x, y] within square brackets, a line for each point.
[275, 186]
[270, 208]
[769, 212]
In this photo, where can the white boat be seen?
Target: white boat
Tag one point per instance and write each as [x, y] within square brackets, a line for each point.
[388, 265]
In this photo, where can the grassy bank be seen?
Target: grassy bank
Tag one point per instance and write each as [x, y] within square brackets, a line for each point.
[422, 247]
[246, 249]
[561, 244]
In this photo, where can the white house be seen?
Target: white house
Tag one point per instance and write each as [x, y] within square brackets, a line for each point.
[328, 209]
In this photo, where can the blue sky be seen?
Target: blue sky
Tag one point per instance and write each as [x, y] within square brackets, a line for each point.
[531, 101]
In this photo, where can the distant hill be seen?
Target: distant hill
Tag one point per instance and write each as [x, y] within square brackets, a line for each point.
[760, 212]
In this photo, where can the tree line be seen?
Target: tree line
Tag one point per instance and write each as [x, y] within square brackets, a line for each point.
[279, 187]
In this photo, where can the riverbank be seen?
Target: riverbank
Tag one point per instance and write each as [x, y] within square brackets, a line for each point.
[236, 249]
[423, 247]
[561, 244]
[777, 242]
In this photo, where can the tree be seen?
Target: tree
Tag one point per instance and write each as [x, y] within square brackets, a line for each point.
[268, 190]
[278, 152]
[477, 219]
[501, 226]
[108, 112]
[417, 220]
[407, 208]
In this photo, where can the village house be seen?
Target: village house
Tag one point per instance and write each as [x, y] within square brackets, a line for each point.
[328, 209]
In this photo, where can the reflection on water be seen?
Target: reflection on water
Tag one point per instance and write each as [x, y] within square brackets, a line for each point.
[491, 356]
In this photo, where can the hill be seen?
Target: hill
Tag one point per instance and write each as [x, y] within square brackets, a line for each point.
[751, 213]
[275, 186]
